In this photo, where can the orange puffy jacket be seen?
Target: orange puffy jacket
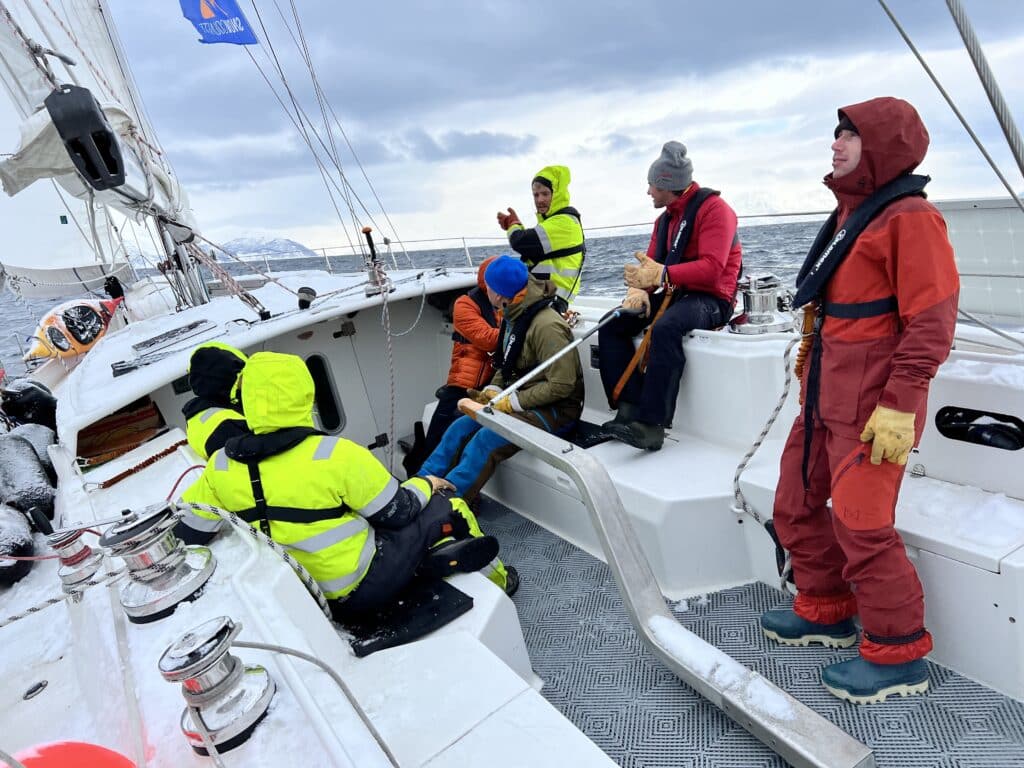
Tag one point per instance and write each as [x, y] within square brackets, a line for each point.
[476, 336]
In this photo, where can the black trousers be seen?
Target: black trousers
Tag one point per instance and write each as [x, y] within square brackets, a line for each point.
[398, 555]
[446, 412]
[654, 392]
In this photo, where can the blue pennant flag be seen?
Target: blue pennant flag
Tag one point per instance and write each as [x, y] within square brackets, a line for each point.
[219, 21]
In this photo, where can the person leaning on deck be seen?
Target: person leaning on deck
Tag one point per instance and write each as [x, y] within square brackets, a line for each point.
[555, 249]
[686, 280]
[361, 535]
[214, 415]
[883, 286]
[531, 332]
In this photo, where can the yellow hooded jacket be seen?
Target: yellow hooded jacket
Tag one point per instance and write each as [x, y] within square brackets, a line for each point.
[319, 491]
[553, 250]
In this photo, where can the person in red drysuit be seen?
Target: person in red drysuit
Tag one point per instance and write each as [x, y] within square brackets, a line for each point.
[885, 313]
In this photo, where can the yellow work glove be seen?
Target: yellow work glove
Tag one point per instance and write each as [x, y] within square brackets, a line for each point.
[505, 405]
[483, 397]
[891, 434]
[647, 273]
[637, 298]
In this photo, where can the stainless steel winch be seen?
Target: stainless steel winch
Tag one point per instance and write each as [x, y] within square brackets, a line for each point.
[765, 306]
[162, 570]
[228, 698]
[78, 561]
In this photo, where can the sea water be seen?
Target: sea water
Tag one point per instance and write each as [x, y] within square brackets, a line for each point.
[775, 248]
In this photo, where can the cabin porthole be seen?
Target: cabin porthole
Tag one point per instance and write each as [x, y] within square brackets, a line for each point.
[328, 413]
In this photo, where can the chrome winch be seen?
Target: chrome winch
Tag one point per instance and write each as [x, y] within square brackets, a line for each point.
[765, 306]
[225, 700]
[162, 570]
[78, 561]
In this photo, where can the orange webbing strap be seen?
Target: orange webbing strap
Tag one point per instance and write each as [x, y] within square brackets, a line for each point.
[807, 337]
[642, 353]
[142, 464]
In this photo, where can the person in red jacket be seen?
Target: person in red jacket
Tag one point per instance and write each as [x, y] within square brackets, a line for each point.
[475, 338]
[884, 288]
[686, 280]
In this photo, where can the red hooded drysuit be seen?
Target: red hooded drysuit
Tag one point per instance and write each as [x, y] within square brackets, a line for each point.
[887, 359]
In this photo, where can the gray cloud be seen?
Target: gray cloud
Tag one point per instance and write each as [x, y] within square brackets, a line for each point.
[384, 61]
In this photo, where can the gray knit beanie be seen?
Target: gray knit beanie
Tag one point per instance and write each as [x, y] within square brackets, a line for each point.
[673, 170]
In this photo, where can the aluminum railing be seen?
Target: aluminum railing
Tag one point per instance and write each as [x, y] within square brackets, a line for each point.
[794, 731]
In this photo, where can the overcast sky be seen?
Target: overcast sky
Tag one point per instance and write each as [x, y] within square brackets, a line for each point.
[452, 107]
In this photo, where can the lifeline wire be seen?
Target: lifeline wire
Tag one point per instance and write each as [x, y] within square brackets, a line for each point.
[337, 679]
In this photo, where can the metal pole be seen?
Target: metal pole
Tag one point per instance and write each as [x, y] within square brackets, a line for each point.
[799, 734]
[530, 375]
[988, 81]
[465, 248]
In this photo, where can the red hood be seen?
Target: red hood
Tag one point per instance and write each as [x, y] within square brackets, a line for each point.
[480, 272]
[893, 142]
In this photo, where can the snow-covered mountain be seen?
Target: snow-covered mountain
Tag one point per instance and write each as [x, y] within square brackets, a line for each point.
[269, 247]
[247, 248]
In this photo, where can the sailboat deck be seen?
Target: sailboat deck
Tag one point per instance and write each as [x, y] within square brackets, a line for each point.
[601, 677]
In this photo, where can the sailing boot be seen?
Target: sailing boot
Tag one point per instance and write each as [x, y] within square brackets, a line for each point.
[864, 682]
[466, 525]
[511, 580]
[784, 626]
[625, 413]
[459, 556]
[639, 434]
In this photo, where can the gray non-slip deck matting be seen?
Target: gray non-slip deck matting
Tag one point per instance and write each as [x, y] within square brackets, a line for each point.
[601, 677]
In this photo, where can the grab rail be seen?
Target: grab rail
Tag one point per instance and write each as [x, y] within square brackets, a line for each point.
[794, 731]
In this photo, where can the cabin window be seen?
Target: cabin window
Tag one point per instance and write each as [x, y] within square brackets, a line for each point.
[996, 430]
[328, 414]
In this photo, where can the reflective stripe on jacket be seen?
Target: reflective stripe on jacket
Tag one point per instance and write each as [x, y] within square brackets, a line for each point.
[318, 495]
[209, 429]
[555, 247]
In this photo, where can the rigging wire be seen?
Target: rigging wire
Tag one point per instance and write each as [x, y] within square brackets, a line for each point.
[318, 92]
[988, 81]
[325, 177]
[325, 101]
[301, 116]
[952, 105]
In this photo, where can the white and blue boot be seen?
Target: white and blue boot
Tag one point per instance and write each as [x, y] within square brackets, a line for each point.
[784, 626]
[864, 682]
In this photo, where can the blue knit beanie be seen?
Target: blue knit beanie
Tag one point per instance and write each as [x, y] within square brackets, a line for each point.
[506, 276]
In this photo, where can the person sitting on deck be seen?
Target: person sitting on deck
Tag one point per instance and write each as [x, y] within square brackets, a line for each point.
[475, 337]
[361, 535]
[531, 332]
[214, 415]
[555, 249]
[686, 280]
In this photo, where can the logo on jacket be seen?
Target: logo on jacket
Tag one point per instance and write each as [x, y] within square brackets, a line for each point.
[679, 233]
[831, 246]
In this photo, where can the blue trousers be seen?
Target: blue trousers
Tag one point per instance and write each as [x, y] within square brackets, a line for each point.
[467, 456]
